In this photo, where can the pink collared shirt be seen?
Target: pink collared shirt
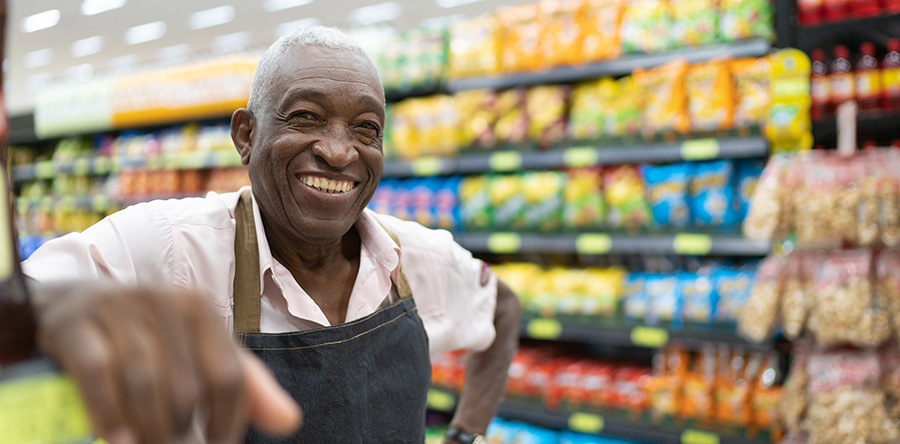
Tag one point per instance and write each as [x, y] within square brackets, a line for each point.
[189, 243]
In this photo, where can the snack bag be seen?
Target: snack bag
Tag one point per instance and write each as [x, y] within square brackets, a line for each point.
[765, 209]
[831, 186]
[888, 285]
[475, 202]
[547, 114]
[476, 113]
[736, 380]
[445, 137]
[507, 202]
[665, 301]
[889, 215]
[624, 193]
[733, 288]
[565, 31]
[767, 394]
[601, 21]
[751, 83]
[699, 385]
[748, 174]
[746, 19]
[602, 289]
[543, 205]
[694, 22]
[646, 26]
[422, 195]
[794, 392]
[587, 116]
[566, 286]
[511, 126]
[624, 116]
[698, 296]
[874, 177]
[446, 203]
[712, 194]
[796, 295]
[667, 193]
[757, 319]
[474, 46]
[710, 93]
[522, 40]
[665, 102]
[583, 206]
[635, 301]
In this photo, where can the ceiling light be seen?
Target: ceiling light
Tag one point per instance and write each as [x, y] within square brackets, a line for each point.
[176, 53]
[278, 5]
[41, 57]
[41, 20]
[211, 17]
[94, 7]
[285, 28]
[88, 46]
[231, 42]
[145, 33]
[381, 12]
[454, 3]
[79, 73]
[38, 81]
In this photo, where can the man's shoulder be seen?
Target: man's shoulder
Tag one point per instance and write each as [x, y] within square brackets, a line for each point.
[215, 209]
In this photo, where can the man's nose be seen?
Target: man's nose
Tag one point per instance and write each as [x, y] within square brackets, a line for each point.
[337, 150]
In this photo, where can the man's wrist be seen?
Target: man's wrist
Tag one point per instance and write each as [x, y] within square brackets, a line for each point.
[463, 437]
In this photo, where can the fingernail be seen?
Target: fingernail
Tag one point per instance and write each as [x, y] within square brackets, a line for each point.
[122, 436]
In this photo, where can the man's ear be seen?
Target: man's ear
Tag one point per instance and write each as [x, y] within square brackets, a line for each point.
[242, 125]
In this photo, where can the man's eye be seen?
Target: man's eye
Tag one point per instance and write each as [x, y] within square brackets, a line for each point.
[305, 116]
[369, 126]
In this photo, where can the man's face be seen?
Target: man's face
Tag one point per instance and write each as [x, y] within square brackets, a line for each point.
[316, 157]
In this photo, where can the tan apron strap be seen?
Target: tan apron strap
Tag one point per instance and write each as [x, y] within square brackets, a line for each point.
[402, 285]
[246, 268]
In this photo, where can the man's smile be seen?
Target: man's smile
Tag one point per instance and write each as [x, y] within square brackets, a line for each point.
[327, 185]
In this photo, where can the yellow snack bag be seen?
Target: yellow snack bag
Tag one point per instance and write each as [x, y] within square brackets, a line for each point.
[625, 102]
[586, 116]
[751, 82]
[474, 46]
[695, 21]
[512, 118]
[403, 133]
[565, 31]
[547, 114]
[711, 96]
[523, 37]
[665, 101]
[445, 122]
[601, 21]
[476, 113]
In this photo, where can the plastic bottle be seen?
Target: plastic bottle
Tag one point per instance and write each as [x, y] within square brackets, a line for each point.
[835, 10]
[843, 84]
[890, 6]
[868, 78]
[890, 77]
[820, 85]
[866, 8]
[809, 12]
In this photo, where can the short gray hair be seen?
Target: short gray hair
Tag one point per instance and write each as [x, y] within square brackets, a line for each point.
[322, 36]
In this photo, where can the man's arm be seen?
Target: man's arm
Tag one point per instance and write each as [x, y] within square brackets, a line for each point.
[486, 371]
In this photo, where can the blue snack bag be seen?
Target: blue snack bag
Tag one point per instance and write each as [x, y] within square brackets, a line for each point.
[733, 289]
[748, 173]
[667, 193]
[500, 431]
[662, 293]
[635, 302]
[531, 434]
[446, 204]
[698, 296]
[712, 194]
[422, 196]
[383, 200]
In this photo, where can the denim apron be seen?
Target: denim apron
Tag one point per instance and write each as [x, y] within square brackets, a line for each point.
[363, 381]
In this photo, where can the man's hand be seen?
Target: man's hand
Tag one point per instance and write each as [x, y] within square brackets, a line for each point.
[149, 363]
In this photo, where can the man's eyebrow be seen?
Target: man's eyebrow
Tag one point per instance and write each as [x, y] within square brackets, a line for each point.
[297, 94]
[371, 102]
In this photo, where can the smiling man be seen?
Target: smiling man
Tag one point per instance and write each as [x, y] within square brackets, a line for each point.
[344, 305]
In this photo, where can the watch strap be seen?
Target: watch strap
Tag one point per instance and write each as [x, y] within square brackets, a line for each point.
[462, 436]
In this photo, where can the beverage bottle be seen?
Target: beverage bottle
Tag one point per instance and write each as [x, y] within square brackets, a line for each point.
[809, 12]
[890, 6]
[820, 85]
[843, 84]
[868, 78]
[835, 10]
[890, 76]
[866, 8]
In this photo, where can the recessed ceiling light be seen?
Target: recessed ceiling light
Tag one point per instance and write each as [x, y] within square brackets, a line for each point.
[145, 33]
[278, 5]
[211, 17]
[41, 57]
[88, 46]
[94, 7]
[41, 20]
[285, 28]
[231, 42]
[79, 73]
[38, 81]
[174, 54]
[454, 3]
[382, 12]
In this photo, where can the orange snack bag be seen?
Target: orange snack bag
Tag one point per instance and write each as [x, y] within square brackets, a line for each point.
[665, 101]
[767, 394]
[601, 21]
[698, 401]
[564, 30]
[474, 46]
[711, 96]
[751, 83]
[523, 37]
[734, 385]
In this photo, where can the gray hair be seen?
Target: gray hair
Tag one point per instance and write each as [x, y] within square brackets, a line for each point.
[322, 36]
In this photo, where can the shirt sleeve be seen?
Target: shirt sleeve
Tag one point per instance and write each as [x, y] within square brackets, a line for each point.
[456, 294]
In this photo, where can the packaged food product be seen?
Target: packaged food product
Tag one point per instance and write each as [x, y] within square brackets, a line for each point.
[767, 394]
[889, 215]
[665, 301]
[564, 22]
[511, 126]
[383, 199]
[733, 288]
[796, 296]
[624, 193]
[664, 98]
[474, 46]
[629, 390]
[698, 297]
[587, 118]
[600, 22]
[765, 209]
[733, 386]
[746, 19]
[507, 202]
[475, 202]
[794, 393]
[646, 26]
[695, 22]
[422, 195]
[712, 194]
[635, 300]
[667, 193]
[566, 288]
[446, 203]
[476, 113]
[543, 192]
[523, 37]
[873, 179]
[583, 206]
[624, 116]
[547, 114]
[664, 387]
[711, 96]
[699, 386]
[748, 175]
[831, 186]
[888, 285]
[757, 319]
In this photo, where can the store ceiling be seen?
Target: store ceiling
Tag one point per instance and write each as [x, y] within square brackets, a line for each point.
[79, 46]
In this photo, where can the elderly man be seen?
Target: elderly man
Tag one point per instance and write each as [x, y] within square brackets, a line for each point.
[345, 306]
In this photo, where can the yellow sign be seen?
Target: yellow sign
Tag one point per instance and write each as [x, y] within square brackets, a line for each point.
[504, 243]
[45, 169]
[593, 243]
[692, 436]
[692, 244]
[543, 328]
[650, 337]
[700, 149]
[586, 423]
[440, 400]
[426, 166]
[505, 161]
[581, 157]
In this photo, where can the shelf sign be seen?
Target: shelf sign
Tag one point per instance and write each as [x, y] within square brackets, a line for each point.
[586, 423]
[580, 157]
[45, 169]
[426, 166]
[651, 337]
[505, 161]
[593, 243]
[693, 436]
[700, 149]
[504, 243]
[440, 400]
[82, 166]
[692, 244]
[543, 328]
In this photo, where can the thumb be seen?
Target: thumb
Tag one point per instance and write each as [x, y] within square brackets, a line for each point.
[269, 408]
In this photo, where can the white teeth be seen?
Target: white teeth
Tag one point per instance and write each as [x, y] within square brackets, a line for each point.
[328, 185]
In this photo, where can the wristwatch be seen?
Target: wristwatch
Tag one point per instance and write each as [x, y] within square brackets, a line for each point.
[463, 436]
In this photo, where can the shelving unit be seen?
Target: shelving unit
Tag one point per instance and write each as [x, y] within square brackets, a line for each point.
[853, 32]
[872, 126]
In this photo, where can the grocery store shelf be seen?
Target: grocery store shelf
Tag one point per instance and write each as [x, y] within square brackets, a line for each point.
[103, 165]
[581, 155]
[690, 244]
[393, 95]
[616, 333]
[873, 126]
[620, 66]
[100, 203]
[849, 32]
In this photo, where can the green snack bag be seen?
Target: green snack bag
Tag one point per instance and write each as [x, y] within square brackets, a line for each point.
[746, 19]
[507, 202]
[695, 22]
[584, 207]
[543, 193]
[475, 202]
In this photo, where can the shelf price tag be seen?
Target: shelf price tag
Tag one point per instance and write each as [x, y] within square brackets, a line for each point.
[82, 166]
[543, 328]
[650, 337]
[700, 149]
[593, 243]
[692, 244]
[505, 161]
[693, 436]
[580, 156]
[100, 203]
[426, 166]
[586, 423]
[45, 169]
[440, 400]
[504, 243]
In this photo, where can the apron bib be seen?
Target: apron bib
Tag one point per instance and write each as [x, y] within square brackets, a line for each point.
[363, 381]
